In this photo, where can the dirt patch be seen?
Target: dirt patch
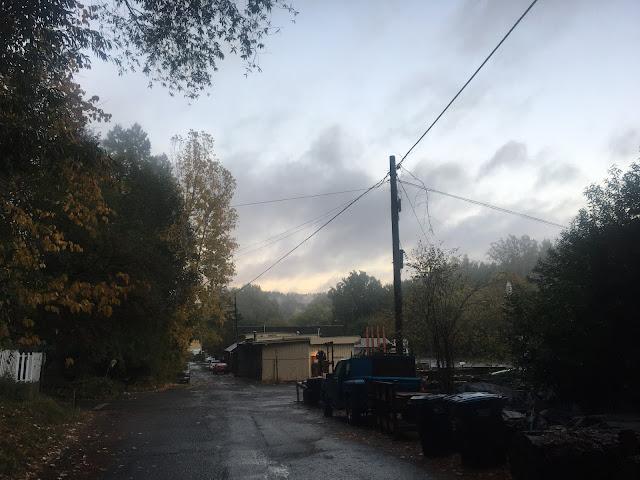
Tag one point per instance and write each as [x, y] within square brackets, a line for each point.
[85, 451]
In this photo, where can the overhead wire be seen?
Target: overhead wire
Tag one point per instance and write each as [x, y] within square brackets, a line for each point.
[381, 182]
[487, 205]
[413, 210]
[467, 82]
[373, 187]
[296, 198]
[296, 229]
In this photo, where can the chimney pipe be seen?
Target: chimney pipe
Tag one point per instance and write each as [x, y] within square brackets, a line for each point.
[366, 334]
[384, 341]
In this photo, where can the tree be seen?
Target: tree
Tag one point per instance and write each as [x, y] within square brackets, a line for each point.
[179, 44]
[579, 328]
[518, 255]
[51, 196]
[207, 188]
[356, 298]
[148, 242]
[176, 44]
[128, 145]
[257, 307]
[443, 297]
[318, 312]
[51, 171]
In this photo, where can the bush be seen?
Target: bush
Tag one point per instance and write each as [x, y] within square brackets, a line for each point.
[12, 390]
[99, 387]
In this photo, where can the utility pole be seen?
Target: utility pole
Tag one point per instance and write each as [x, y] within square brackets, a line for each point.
[397, 255]
[235, 314]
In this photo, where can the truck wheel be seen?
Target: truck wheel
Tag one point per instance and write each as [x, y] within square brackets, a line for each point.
[353, 413]
[328, 411]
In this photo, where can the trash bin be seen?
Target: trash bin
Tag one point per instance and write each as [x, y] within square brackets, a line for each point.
[311, 390]
[431, 414]
[478, 427]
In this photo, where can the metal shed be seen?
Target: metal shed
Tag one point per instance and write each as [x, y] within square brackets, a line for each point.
[291, 358]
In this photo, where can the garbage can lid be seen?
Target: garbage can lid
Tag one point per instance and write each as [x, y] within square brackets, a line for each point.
[468, 397]
[426, 398]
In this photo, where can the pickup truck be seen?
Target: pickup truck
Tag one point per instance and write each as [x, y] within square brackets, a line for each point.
[351, 386]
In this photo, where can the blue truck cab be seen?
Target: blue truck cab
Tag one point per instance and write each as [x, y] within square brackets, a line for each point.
[350, 387]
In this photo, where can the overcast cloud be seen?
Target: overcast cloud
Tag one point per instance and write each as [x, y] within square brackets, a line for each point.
[350, 83]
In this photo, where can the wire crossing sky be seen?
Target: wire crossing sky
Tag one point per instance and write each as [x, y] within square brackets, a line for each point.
[548, 114]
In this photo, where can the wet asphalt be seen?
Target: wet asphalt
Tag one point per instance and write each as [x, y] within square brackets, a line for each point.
[221, 427]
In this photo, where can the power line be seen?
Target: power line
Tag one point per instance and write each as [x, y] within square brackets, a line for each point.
[487, 205]
[413, 209]
[468, 81]
[376, 185]
[294, 230]
[297, 198]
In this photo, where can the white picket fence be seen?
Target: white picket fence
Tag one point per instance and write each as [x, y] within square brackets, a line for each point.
[22, 367]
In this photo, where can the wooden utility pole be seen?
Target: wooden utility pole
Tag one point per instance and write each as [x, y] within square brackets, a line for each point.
[235, 315]
[397, 255]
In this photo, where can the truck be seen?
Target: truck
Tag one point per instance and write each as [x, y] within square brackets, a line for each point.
[356, 385]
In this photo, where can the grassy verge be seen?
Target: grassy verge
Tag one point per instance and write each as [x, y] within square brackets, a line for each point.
[32, 430]
[37, 429]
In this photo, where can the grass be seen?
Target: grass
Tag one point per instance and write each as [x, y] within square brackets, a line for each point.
[32, 428]
[36, 429]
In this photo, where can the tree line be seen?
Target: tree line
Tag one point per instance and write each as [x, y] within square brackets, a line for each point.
[135, 281]
[360, 300]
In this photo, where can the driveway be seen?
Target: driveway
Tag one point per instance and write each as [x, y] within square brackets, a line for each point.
[221, 427]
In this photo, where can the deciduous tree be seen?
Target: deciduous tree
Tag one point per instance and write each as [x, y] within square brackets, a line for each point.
[444, 298]
[207, 189]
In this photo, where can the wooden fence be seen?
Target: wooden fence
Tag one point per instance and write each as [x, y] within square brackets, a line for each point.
[22, 367]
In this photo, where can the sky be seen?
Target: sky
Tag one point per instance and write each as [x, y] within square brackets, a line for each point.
[350, 83]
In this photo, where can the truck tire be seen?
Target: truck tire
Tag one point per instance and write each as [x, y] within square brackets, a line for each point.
[353, 412]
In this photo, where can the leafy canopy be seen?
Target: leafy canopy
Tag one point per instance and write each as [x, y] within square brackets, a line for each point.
[356, 299]
[580, 327]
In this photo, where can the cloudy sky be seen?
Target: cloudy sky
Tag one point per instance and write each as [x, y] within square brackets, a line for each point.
[351, 83]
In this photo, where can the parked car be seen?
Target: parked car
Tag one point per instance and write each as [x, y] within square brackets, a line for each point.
[185, 375]
[212, 362]
[220, 367]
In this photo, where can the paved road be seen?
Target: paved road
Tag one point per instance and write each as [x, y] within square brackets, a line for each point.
[221, 427]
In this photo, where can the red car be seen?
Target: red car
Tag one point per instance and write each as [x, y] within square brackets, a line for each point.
[220, 368]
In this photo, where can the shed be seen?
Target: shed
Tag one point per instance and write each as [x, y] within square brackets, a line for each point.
[281, 358]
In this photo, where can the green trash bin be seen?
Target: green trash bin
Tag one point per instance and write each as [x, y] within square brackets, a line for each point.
[431, 414]
[479, 430]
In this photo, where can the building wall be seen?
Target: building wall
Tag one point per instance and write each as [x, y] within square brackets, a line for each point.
[248, 361]
[285, 361]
